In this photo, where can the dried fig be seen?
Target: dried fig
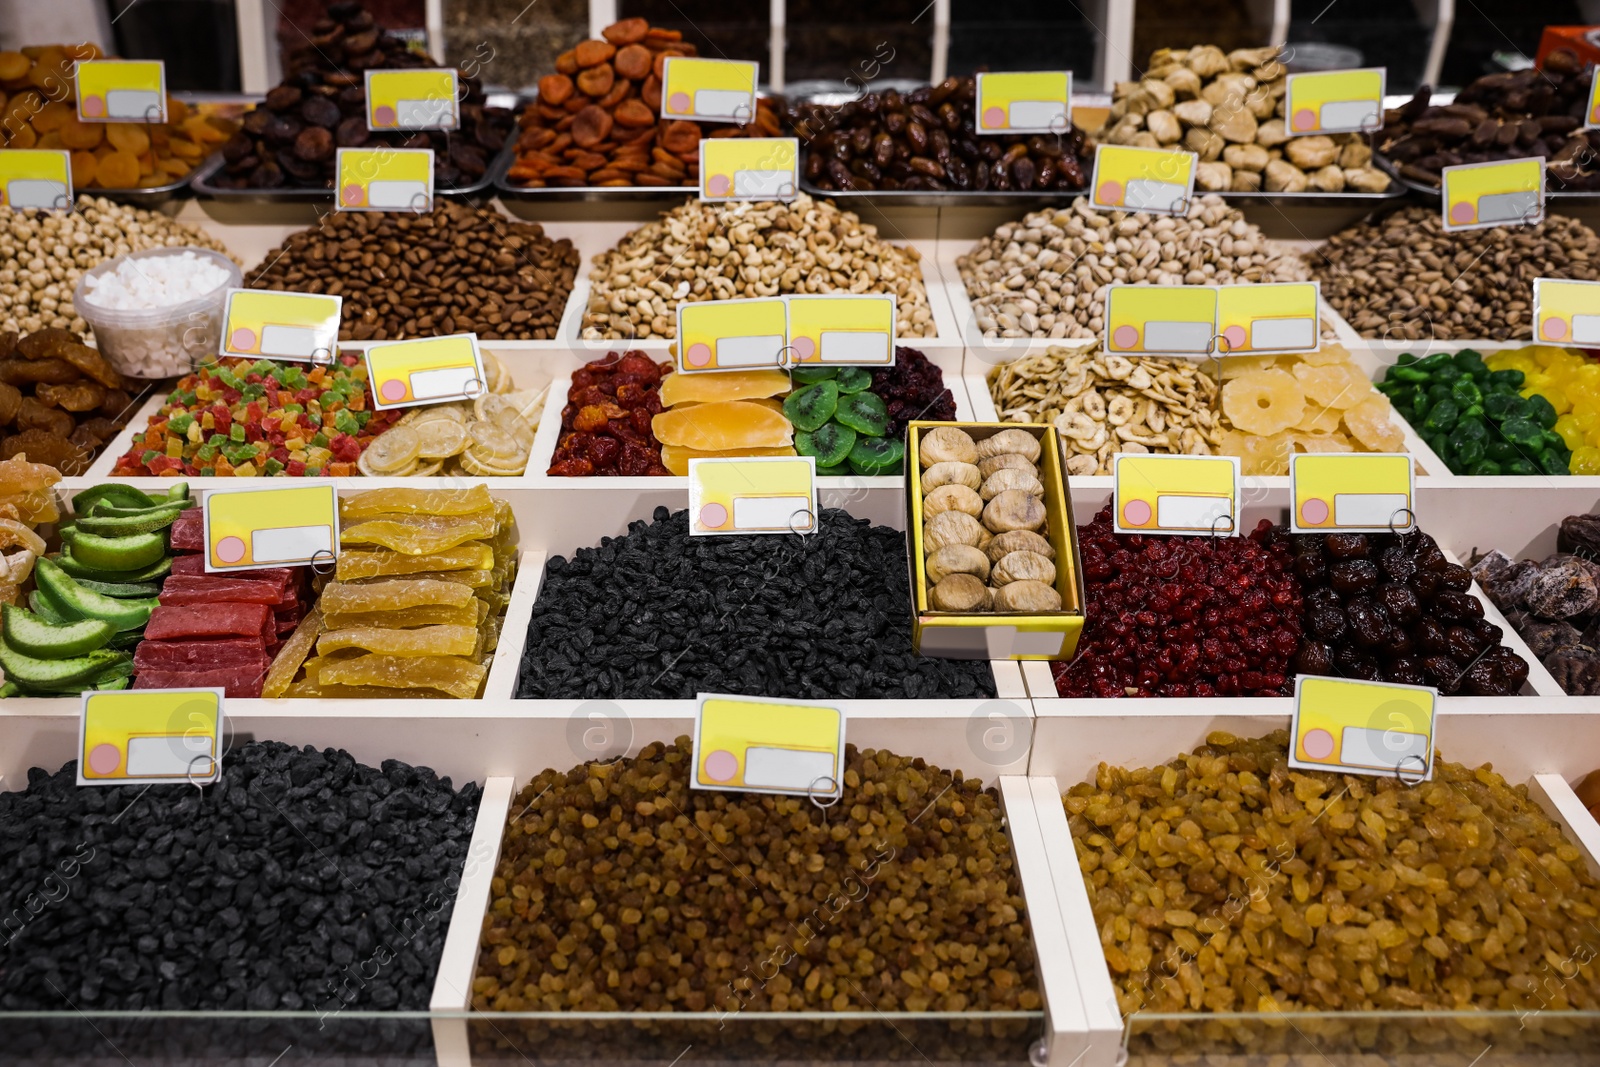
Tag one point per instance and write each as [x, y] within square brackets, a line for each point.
[1013, 510]
[954, 498]
[1027, 596]
[954, 528]
[1023, 567]
[1019, 442]
[960, 592]
[956, 559]
[950, 473]
[946, 444]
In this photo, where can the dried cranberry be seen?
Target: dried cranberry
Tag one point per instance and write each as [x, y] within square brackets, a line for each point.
[1351, 576]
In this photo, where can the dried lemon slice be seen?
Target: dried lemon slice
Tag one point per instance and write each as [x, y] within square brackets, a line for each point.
[425, 470]
[471, 464]
[442, 413]
[440, 438]
[491, 442]
[393, 449]
[494, 373]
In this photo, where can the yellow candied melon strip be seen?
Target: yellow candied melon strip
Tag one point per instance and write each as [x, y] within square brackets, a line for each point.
[389, 594]
[724, 385]
[676, 458]
[356, 563]
[400, 618]
[292, 656]
[378, 503]
[474, 579]
[309, 689]
[455, 675]
[723, 426]
[418, 535]
[425, 641]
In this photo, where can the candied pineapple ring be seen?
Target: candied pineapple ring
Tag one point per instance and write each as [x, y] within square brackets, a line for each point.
[1263, 402]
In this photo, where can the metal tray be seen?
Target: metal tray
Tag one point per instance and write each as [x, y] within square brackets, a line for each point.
[151, 196]
[990, 198]
[200, 183]
[632, 194]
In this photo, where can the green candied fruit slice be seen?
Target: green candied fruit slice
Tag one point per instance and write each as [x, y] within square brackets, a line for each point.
[1555, 462]
[812, 375]
[1468, 361]
[1465, 392]
[864, 413]
[1467, 453]
[1509, 377]
[1502, 406]
[1414, 373]
[830, 444]
[1541, 411]
[811, 407]
[1485, 467]
[1522, 467]
[838, 470]
[1525, 433]
[1500, 450]
[876, 455]
[853, 379]
[1442, 416]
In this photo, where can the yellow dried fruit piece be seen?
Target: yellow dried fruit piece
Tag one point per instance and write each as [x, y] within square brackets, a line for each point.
[676, 458]
[724, 385]
[424, 641]
[455, 675]
[1238, 366]
[292, 656]
[724, 426]
[306, 688]
[1319, 418]
[356, 563]
[377, 503]
[431, 615]
[1369, 423]
[1264, 402]
[417, 535]
[1321, 442]
[1337, 385]
[343, 598]
[1326, 355]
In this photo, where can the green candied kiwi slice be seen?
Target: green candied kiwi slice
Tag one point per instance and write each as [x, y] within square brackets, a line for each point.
[159, 569]
[853, 379]
[812, 375]
[812, 406]
[864, 413]
[839, 470]
[123, 526]
[126, 553]
[30, 672]
[830, 444]
[76, 602]
[876, 455]
[35, 636]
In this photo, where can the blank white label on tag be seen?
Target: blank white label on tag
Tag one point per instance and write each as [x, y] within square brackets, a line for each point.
[288, 341]
[172, 756]
[287, 544]
[731, 103]
[1037, 113]
[1586, 329]
[446, 381]
[787, 768]
[771, 513]
[763, 351]
[1348, 114]
[1368, 509]
[1193, 512]
[36, 193]
[763, 182]
[1144, 194]
[1509, 207]
[1360, 746]
[1177, 336]
[854, 346]
[414, 114]
[1283, 333]
[393, 194]
[132, 105]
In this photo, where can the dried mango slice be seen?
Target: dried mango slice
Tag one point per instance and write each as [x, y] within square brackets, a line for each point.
[724, 426]
[474, 579]
[378, 503]
[432, 615]
[728, 385]
[425, 641]
[292, 656]
[455, 675]
[418, 535]
[356, 563]
[676, 458]
[342, 598]
[309, 689]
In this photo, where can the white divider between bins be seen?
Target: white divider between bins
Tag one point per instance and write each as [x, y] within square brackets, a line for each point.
[452, 986]
[502, 681]
[1557, 798]
[1067, 1029]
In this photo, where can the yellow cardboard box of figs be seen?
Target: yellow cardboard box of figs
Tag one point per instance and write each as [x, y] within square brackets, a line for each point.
[991, 542]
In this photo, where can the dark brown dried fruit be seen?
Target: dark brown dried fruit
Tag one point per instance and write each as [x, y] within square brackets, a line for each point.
[314, 144]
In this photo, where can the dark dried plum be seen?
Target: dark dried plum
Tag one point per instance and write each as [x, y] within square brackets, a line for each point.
[1430, 634]
[320, 111]
[1399, 603]
[1443, 673]
[1345, 546]
[314, 145]
[1458, 607]
[1353, 663]
[1368, 625]
[1455, 577]
[1406, 671]
[1498, 672]
[1397, 563]
[1314, 657]
[1350, 576]
[1328, 624]
[1464, 645]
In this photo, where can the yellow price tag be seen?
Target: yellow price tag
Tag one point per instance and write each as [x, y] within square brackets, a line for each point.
[732, 334]
[277, 325]
[295, 526]
[1591, 111]
[1155, 494]
[758, 495]
[1477, 196]
[749, 168]
[384, 179]
[1568, 313]
[846, 330]
[1024, 102]
[1160, 319]
[122, 90]
[1157, 180]
[1335, 101]
[425, 99]
[155, 736]
[1351, 492]
[709, 90]
[1355, 727]
[744, 744]
[429, 370]
[1276, 317]
[36, 179]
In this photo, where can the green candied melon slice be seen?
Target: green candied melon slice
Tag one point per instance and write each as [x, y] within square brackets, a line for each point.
[812, 406]
[830, 444]
[864, 413]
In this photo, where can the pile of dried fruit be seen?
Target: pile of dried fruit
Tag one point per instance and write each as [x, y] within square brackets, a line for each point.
[913, 389]
[906, 899]
[486, 437]
[722, 415]
[701, 251]
[244, 418]
[38, 91]
[292, 139]
[1392, 607]
[1226, 881]
[605, 425]
[1184, 616]
[597, 120]
[27, 499]
[928, 139]
[841, 422]
[1554, 604]
[735, 614]
[422, 580]
[1566, 381]
[60, 401]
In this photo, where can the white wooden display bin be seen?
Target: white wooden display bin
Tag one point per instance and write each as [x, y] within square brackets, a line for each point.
[1544, 746]
[1457, 516]
[512, 749]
